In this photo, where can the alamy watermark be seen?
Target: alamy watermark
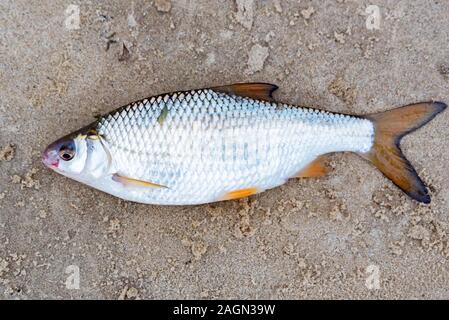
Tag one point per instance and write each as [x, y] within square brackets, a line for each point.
[373, 19]
[72, 282]
[372, 281]
[72, 17]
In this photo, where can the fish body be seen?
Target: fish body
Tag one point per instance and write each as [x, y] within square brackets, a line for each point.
[207, 145]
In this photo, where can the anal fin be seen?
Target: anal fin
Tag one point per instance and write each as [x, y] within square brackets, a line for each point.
[240, 193]
[317, 168]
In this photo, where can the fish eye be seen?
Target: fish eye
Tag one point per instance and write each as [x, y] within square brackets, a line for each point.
[67, 151]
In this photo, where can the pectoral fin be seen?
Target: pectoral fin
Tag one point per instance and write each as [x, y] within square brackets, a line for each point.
[130, 182]
[317, 168]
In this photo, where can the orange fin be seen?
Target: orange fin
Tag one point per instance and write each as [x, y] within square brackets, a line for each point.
[134, 182]
[317, 168]
[386, 155]
[259, 91]
[238, 194]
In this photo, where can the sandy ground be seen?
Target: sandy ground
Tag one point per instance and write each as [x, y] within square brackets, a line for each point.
[351, 234]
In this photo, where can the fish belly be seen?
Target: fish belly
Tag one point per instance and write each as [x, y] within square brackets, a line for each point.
[203, 144]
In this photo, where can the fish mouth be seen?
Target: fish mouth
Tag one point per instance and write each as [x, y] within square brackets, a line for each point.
[49, 158]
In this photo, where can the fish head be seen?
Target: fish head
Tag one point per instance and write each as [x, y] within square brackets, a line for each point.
[66, 155]
[81, 156]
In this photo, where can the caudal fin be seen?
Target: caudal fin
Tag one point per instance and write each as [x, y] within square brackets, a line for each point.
[386, 154]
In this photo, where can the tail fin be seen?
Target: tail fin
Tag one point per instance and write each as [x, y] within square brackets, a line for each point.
[386, 155]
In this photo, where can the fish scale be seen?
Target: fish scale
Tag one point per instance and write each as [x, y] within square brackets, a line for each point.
[211, 143]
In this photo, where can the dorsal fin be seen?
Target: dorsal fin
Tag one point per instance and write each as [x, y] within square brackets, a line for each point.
[256, 90]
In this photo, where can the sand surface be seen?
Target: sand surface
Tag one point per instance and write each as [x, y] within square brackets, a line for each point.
[351, 234]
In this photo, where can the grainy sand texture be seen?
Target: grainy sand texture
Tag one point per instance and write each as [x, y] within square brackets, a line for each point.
[351, 234]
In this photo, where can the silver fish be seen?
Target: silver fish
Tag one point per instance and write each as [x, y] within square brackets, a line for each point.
[229, 142]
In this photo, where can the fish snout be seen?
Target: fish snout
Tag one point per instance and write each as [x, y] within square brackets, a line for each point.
[50, 156]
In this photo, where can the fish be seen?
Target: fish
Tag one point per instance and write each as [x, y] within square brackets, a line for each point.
[229, 142]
